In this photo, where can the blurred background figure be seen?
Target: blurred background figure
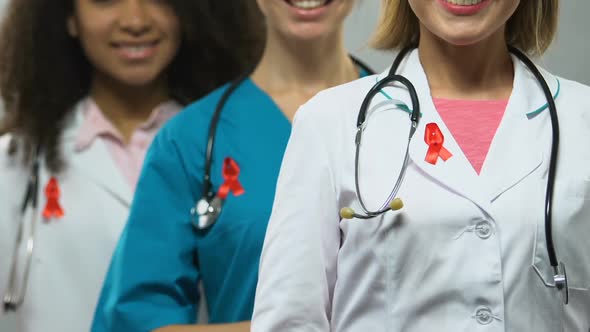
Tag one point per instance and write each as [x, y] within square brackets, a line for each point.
[304, 54]
[86, 86]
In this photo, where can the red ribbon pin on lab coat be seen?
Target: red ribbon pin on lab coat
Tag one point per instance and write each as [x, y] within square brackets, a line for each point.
[230, 172]
[52, 208]
[435, 140]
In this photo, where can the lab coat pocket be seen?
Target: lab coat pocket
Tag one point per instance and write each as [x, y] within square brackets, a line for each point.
[571, 231]
[576, 315]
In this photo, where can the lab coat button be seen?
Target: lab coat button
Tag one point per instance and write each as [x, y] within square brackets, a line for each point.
[483, 229]
[484, 316]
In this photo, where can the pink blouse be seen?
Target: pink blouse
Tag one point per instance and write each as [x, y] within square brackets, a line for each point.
[128, 157]
[473, 124]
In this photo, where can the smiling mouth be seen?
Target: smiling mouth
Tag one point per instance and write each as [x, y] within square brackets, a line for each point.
[135, 45]
[464, 2]
[135, 50]
[308, 4]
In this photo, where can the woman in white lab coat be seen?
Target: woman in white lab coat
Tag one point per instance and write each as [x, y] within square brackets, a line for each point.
[468, 247]
[87, 84]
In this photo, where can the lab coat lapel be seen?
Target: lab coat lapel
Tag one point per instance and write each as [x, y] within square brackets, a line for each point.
[96, 163]
[521, 142]
[456, 174]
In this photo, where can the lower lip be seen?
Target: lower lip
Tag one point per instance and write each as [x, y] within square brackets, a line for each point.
[308, 14]
[145, 54]
[464, 10]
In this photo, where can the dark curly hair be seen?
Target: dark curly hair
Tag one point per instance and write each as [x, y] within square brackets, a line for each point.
[44, 72]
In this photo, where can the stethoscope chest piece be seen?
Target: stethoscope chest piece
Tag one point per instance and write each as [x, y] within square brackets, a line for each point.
[8, 303]
[205, 212]
[560, 279]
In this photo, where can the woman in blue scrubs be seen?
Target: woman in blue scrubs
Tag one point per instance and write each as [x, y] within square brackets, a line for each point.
[154, 275]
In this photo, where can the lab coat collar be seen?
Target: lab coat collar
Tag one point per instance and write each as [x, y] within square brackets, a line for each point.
[515, 152]
[523, 139]
[411, 66]
[94, 162]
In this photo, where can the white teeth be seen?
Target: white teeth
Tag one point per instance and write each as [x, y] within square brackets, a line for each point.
[308, 4]
[136, 49]
[464, 2]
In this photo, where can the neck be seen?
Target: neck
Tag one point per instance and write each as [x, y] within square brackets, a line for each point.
[127, 106]
[480, 71]
[308, 66]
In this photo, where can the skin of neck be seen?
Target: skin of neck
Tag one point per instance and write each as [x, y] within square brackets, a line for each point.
[305, 65]
[127, 106]
[481, 71]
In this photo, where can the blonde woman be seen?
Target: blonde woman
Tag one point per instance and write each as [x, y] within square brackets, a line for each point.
[470, 244]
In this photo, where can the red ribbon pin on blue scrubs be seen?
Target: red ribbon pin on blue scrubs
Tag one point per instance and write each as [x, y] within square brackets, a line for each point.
[231, 183]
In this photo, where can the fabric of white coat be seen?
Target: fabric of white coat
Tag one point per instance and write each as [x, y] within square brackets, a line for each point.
[71, 254]
[466, 253]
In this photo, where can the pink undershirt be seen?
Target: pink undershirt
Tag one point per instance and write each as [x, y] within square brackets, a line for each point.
[473, 124]
[128, 157]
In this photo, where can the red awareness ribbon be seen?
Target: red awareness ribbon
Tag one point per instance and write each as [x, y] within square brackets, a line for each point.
[435, 140]
[52, 208]
[230, 172]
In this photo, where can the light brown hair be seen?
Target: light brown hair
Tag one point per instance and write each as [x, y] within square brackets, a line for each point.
[531, 28]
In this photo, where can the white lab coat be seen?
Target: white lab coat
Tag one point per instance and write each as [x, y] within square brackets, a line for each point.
[71, 254]
[466, 253]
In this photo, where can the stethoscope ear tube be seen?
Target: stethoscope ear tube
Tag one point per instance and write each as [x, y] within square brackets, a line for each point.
[560, 275]
[206, 210]
[14, 298]
[207, 186]
[554, 150]
[392, 203]
[391, 78]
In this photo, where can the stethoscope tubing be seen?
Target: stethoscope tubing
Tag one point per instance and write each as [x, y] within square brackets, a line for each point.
[560, 278]
[553, 157]
[207, 185]
[13, 299]
[414, 118]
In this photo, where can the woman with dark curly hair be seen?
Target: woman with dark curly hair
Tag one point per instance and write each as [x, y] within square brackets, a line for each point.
[86, 85]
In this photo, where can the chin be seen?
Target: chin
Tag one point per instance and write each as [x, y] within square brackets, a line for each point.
[461, 42]
[464, 34]
[309, 33]
[137, 80]
[463, 39]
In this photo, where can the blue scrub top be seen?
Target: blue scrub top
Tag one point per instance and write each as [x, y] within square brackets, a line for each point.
[160, 259]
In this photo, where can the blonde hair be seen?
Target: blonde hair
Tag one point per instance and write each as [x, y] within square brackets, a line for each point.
[531, 28]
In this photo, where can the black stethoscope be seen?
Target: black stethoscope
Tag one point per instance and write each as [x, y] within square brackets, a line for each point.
[205, 212]
[393, 203]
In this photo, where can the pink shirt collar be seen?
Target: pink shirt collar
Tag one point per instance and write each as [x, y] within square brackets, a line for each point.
[95, 124]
